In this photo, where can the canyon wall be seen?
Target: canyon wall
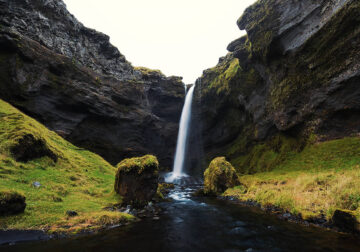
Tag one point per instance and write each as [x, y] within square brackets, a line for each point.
[293, 80]
[71, 79]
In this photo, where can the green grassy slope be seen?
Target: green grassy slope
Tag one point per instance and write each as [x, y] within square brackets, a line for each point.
[79, 180]
[323, 177]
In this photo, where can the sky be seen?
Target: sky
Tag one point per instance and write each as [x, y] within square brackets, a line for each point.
[179, 37]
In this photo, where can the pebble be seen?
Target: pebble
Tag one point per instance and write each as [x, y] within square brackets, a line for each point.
[36, 184]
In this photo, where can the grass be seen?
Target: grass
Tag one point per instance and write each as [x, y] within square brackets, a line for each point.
[314, 182]
[79, 180]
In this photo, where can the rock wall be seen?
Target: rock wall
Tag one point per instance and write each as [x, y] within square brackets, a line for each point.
[293, 80]
[75, 82]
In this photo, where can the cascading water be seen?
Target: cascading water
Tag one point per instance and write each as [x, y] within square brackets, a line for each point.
[182, 139]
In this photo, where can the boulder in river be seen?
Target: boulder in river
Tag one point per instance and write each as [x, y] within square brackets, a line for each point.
[137, 180]
[219, 176]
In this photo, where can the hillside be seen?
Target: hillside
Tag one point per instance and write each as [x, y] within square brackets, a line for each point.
[71, 178]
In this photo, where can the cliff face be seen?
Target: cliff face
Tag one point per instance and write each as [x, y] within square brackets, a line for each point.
[291, 81]
[75, 82]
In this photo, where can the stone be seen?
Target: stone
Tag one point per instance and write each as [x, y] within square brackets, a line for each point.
[71, 213]
[137, 180]
[11, 203]
[219, 176]
[345, 221]
[36, 184]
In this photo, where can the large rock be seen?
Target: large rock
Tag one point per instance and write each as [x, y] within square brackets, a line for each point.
[294, 75]
[76, 83]
[219, 176]
[137, 180]
[11, 203]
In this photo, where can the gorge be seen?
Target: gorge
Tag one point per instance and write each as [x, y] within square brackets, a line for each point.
[273, 130]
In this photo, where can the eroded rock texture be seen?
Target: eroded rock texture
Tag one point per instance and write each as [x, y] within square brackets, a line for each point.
[75, 82]
[294, 78]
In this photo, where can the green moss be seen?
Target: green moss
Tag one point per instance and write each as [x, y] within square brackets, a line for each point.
[98, 81]
[139, 164]
[10, 195]
[260, 19]
[262, 156]
[317, 180]
[219, 176]
[44, 209]
[147, 71]
[224, 74]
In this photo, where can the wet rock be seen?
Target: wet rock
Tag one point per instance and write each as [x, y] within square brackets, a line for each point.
[345, 221]
[162, 191]
[137, 180]
[238, 231]
[71, 213]
[11, 203]
[219, 176]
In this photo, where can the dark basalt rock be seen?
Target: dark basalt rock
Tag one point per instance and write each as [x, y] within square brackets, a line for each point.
[11, 203]
[297, 74]
[137, 180]
[71, 79]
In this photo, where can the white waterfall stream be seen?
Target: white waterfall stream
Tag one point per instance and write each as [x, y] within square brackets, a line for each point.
[182, 139]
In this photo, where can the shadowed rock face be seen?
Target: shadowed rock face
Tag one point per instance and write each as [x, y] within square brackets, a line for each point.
[75, 82]
[296, 74]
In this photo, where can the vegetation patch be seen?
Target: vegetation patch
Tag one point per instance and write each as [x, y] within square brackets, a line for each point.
[314, 182]
[79, 180]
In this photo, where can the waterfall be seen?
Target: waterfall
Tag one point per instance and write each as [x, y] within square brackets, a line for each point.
[182, 139]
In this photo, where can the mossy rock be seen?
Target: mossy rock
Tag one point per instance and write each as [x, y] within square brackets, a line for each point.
[163, 190]
[28, 147]
[219, 176]
[11, 203]
[137, 180]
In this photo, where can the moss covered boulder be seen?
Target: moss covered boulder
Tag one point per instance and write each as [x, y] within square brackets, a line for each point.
[137, 180]
[11, 203]
[219, 176]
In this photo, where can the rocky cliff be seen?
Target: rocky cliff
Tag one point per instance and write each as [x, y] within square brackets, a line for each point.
[75, 82]
[293, 80]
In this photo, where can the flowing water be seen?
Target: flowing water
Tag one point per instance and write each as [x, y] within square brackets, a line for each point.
[180, 153]
[202, 224]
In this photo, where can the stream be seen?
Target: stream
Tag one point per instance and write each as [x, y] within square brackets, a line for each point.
[202, 224]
